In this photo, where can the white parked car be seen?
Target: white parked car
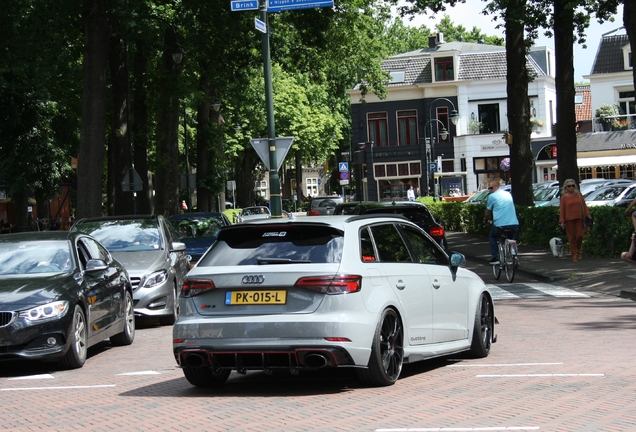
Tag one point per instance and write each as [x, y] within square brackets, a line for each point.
[370, 292]
[249, 214]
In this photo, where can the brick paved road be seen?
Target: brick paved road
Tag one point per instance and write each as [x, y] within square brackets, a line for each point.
[559, 365]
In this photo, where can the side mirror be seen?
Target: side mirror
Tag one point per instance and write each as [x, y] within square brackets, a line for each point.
[95, 264]
[457, 259]
[177, 247]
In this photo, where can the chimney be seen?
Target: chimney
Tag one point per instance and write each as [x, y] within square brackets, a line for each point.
[432, 39]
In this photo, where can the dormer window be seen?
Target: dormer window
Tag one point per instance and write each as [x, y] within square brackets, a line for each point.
[627, 57]
[578, 98]
[443, 69]
[397, 77]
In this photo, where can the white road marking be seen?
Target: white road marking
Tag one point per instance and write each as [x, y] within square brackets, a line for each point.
[499, 291]
[32, 377]
[449, 429]
[58, 388]
[504, 365]
[539, 375]
[140, 373]
[556, 291]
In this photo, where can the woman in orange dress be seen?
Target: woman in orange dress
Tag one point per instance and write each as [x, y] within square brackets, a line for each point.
[572, 211]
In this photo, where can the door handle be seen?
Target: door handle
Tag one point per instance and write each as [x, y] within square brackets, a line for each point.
[436, 284]
[400, 285]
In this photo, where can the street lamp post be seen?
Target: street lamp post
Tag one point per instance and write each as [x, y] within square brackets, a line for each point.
[454, 116]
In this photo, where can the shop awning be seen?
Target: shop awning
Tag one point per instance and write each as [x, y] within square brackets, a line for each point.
[604, 161]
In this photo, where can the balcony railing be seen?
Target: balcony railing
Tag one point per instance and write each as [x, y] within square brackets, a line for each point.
[616, 123]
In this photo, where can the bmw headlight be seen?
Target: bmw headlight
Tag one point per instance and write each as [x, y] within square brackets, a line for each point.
[48, 311]
[155, 278]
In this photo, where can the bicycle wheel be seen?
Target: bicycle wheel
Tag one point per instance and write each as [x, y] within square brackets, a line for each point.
[496, 268]
[509, 265]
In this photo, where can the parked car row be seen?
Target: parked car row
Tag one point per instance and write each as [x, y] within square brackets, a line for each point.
[89, 284]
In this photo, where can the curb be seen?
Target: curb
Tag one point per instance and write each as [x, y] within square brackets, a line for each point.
[631, 295]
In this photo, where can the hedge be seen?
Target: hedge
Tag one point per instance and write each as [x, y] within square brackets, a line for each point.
[608, 237]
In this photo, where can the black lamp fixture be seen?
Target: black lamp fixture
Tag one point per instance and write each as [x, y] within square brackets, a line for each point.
[177, 53]
[454, 116]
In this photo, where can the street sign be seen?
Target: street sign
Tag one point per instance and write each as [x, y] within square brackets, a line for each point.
[260, 25]
[137, 185]
[343, 166]
[262, 148]
[344, 175]
[432, 167]
[344, 182]
[239, 5]
[283, 5]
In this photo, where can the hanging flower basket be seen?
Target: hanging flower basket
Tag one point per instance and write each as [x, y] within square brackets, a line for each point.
[505, 164]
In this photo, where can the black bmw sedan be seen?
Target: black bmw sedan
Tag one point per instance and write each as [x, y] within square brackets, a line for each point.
[61, 293]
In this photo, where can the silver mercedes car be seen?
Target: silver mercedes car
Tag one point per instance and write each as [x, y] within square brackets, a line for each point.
[150, 250]
[371, 292]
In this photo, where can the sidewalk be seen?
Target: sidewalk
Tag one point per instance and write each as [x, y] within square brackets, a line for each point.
[610, 276]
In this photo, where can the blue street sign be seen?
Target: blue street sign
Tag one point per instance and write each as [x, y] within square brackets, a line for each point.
[432, 167]
[283, 5]
[344, 175]
[239, 5]
[260, 25]
[343, 166]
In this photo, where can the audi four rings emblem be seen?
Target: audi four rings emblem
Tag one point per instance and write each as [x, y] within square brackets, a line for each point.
[253, 279]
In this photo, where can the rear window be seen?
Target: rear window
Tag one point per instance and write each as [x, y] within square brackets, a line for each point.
[327, 202]
[275, 244]
[420, 216]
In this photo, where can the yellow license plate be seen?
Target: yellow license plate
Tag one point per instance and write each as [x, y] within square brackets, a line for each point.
[255, 297]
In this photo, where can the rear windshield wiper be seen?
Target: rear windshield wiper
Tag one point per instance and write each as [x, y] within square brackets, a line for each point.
[281, 261]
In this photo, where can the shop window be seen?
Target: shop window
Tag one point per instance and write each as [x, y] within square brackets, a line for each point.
[415, 168]
[380, 170]
[403, 169]
[627, 171]
[391, 170]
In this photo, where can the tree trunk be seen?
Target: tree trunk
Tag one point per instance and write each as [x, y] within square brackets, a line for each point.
[300, 194]
[629, 21]
[119, 202]
[565, 91]
[141, 136]
[167, 173]
[521, 164]
[203, 149]
[93, 129]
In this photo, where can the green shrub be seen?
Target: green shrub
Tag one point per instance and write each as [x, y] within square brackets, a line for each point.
[608, 237]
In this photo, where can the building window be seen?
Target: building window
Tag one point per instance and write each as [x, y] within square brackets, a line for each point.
[489, 118]
[578, 98]
[627, 171]
[442, 116]
[378, 129]
[404, 169]
[444, 69]
[627, 102]
[407, 127]
[585, 173]
[312, 186]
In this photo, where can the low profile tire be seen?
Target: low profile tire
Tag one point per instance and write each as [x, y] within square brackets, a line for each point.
[483, 330]
[206, 377]
[387, 352]
[75, 357]
[171, 319]
[127, 336]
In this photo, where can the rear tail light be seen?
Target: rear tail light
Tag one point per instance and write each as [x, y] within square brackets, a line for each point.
[341, 284]
[194, 287]
[313, 213]
[437, 232]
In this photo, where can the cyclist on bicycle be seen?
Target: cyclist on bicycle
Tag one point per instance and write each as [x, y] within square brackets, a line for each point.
[504, 216]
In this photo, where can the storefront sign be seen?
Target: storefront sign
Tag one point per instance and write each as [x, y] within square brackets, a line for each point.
[496, 145]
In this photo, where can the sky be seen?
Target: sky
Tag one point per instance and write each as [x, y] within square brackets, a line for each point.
[469, 15]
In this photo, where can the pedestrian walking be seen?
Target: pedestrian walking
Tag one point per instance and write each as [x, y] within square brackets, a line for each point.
[572, 213]
[410, 194]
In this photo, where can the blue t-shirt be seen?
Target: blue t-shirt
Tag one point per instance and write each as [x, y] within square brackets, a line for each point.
[503, 208]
